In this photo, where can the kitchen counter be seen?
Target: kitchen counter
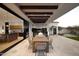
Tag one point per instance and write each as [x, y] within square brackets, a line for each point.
[8, 37]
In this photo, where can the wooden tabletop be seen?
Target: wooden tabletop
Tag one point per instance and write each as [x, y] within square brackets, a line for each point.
[40, 38]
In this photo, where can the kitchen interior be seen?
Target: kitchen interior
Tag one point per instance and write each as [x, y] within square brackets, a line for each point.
[11, 30]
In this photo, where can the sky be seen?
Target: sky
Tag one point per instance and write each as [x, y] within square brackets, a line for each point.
[69, 19]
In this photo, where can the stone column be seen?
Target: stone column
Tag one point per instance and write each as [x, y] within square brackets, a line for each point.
[48, 31]
[57, 29]
[30, 31]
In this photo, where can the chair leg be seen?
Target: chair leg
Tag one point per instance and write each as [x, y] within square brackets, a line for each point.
[40, 53]
[51, 46]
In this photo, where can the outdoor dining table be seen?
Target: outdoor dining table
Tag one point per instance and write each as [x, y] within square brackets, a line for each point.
[40, 39]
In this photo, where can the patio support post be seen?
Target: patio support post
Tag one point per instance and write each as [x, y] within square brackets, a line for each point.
[57, 29]
[30, 31]
[48, 31]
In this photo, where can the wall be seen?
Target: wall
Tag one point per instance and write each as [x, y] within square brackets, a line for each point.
[8, 17]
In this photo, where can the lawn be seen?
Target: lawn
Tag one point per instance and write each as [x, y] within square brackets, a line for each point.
[75, 38]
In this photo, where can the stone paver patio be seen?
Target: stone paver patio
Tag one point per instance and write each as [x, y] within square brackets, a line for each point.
[61, 47]
[64, 46]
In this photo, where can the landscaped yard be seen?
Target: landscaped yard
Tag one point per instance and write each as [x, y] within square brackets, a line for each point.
[75, 38]
[71, 36]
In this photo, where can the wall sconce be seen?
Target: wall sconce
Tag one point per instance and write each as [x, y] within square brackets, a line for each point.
[7, 25]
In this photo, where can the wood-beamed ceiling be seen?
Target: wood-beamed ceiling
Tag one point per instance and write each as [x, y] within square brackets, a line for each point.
[41, 15]
[54, 10]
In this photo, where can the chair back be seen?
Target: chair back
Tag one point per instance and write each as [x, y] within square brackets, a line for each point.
[40, 49]
[40, 46]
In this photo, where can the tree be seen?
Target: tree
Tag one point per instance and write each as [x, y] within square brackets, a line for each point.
[73, 30]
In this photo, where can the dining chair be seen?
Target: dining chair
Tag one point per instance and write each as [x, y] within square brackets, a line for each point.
[30, 43]
[40, 49]
[50, 43]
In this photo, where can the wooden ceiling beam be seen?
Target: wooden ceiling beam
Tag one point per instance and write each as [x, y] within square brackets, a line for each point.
[38, 13]
[39, 20]
[39, 7]
[38, 16]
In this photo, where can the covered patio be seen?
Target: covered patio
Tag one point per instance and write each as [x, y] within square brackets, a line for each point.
[27, 20]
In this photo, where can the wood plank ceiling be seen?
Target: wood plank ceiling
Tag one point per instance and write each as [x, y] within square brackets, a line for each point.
[37, 13]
